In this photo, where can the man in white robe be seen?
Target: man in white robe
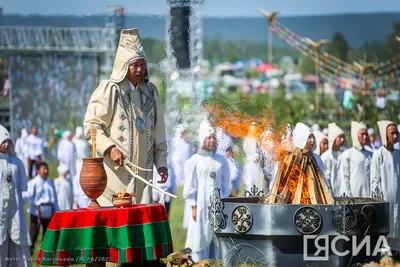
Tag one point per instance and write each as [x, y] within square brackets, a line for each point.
[321, 141]
[269, 158]
[224, 140]
[303, 138]
[14, 234]
[356, 163]
[64, 188]
[82, 148]
[42, 199]
[235, 170]
[181, 151]
[397, 145]
[35, 151]
[385, 177]
[82, 151]
[331, 159]
[66, 152]
[253, 172]
[21, 148]
[204, 172]
[374, 142]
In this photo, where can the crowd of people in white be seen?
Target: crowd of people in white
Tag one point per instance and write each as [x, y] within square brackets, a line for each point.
[29, 183]
[64, 81]
[366, 168]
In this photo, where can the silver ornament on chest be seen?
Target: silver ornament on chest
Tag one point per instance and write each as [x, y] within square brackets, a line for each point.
[213, 175]
[140, 125]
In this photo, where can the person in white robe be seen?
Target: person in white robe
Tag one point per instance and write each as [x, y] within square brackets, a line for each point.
[82, 148]
[82, 151]
[235, 170]
[321, 141]
[253, 172]
[21, 148]
[181, 151]
[375, 144]
[42, 199]
[385, 178]
[356, 163]
[204, 172]
[397, 145]
[331, 159]
[303, 138]
[67, 153]
[35, 151]
[14, 234]
[269, 158]
[64, 188]
[224, 140]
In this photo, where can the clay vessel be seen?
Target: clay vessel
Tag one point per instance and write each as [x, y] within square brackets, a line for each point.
[93, 180]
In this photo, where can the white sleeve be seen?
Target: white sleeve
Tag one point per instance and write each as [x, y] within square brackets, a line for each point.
[190, 186]
[345, 169]
[328, 169]
[375, 172]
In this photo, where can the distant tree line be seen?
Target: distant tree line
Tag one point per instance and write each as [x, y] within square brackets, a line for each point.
[217, 50]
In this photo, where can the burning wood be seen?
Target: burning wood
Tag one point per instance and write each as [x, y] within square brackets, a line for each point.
[299, 181]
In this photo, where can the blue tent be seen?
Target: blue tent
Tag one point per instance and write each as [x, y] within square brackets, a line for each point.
[239, 64]
[254, 62]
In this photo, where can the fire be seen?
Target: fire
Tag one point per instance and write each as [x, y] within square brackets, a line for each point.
[239, 125]
[298, 180]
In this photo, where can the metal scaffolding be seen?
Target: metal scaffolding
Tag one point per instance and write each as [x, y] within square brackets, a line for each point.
[55, 39]
[66, 39]
[94, 40]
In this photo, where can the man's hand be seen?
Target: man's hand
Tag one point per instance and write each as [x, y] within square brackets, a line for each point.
[163, 172]
[194, 212]
[116, 156]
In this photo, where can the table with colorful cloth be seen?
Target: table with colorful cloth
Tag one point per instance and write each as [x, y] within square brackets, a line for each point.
[120, 235]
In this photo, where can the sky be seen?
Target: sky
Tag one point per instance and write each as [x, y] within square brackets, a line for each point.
[212, 8]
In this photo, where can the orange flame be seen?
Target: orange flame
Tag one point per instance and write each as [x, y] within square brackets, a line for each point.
[239, 125]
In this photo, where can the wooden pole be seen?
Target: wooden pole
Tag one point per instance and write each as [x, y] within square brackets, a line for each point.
[317, 100]
[270, 43]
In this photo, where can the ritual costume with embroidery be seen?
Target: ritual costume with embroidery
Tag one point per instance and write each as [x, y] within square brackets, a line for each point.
[130, 118]
[204, 172]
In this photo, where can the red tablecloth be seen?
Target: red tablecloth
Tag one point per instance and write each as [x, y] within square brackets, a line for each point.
[120, 235]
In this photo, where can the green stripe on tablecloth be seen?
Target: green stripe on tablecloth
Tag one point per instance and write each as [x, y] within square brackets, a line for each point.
[146, 235]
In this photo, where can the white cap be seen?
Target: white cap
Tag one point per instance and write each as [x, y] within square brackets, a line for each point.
[205, 130]
[4, 134]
